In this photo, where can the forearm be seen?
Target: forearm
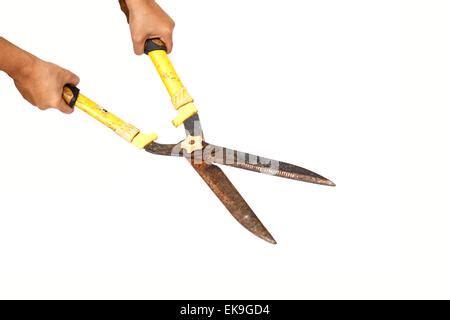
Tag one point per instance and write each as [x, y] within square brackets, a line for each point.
[136, 4]
[128, 6]
[41, 83]
[14, 60]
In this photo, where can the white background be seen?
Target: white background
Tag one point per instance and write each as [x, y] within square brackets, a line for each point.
[355, 90]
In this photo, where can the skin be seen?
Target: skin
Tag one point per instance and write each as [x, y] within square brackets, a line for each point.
[41, 83]
[148, 21]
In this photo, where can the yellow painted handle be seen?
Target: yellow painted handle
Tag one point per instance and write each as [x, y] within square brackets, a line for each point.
[181, 99]
[125, 130]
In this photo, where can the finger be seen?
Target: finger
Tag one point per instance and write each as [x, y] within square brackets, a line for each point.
[64, 107]
[69, 78]
[168, 42]
[138, 46]
[75, 80]
[72, 78]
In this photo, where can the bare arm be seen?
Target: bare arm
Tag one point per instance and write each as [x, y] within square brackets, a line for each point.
[40, 83]
[13, 60]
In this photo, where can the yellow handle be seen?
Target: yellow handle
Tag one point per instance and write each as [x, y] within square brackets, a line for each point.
[181, 99]
[125, 130]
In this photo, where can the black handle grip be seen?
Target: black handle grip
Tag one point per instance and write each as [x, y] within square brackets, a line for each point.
[70, 94]
[153, 45]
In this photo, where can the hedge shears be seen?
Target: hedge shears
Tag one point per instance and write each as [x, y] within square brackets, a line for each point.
[201, 155]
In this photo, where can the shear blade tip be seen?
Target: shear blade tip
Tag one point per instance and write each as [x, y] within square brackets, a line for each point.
[324, 181]
[330, 183]
[268, 237]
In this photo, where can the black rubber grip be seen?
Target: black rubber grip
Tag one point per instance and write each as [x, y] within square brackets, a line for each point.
[153, 45]
[75, 92]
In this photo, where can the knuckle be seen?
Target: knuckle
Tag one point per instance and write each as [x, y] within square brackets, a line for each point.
[136, 38]
[167, 30]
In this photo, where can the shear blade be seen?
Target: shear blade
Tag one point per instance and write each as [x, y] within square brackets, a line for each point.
[242, 160]
[233, 201]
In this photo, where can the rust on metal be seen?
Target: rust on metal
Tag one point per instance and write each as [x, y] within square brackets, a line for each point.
[164, 149]
[222, 187]
[247, 161]
[203, 157]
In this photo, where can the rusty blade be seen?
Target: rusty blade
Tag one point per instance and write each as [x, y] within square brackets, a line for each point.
[242, 160]
[171, 150]
[193, 127]
[233, 201]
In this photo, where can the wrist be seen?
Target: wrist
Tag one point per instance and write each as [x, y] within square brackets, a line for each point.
[138, 5]
[16, 62]
[23, 67]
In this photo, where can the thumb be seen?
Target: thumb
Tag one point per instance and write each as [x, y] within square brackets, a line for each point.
[64, 107]
[138, 47]
[72, 78]
[168, 41]
[69, 78]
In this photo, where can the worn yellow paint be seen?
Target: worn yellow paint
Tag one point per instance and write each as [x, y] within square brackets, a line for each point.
[181, 99]
[125, 130]
[142, 139]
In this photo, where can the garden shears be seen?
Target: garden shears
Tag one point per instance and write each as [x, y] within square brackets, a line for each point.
[201, 155]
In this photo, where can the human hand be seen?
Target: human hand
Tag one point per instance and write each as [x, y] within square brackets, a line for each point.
[41, 83]
[148, 21]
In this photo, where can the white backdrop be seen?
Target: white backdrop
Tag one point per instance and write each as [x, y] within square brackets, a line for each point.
[355, 90]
